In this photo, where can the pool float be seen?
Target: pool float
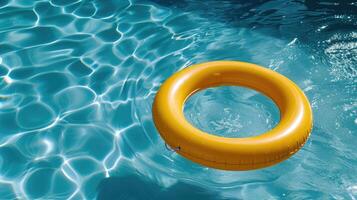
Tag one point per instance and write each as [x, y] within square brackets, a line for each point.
[225, 153]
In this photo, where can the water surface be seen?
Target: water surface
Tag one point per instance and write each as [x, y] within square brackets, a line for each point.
[77, 81]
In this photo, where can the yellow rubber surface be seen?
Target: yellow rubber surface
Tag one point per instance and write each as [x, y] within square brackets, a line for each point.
[214, 151]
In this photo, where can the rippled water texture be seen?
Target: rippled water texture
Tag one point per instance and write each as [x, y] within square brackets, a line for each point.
[77, 80]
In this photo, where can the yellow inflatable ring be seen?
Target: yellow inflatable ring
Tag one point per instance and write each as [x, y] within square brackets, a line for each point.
[214, 151]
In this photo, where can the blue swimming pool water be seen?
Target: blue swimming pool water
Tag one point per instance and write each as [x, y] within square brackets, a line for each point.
[77, 80]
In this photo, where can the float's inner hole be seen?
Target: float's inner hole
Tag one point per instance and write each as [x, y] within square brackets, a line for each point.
[231, 111]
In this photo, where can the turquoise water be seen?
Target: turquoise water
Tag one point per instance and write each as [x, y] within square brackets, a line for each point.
[77, 81]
